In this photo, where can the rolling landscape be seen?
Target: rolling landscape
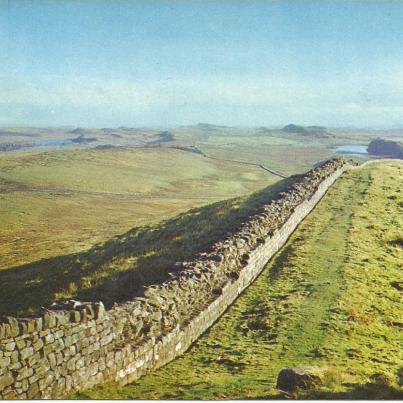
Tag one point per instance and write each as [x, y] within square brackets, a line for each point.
[134, 210]
[201, 200]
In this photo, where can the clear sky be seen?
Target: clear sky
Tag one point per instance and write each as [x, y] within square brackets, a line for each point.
[164, 63]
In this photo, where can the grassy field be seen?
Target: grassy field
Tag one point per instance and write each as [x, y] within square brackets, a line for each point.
[331, 298]
[63, 201]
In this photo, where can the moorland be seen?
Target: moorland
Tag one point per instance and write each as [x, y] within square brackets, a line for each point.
[66, 205]
[128, 177]
[96, 214]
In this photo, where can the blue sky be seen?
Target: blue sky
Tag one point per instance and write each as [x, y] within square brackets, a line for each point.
[165, 63]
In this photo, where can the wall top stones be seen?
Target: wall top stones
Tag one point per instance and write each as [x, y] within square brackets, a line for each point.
[58, 314]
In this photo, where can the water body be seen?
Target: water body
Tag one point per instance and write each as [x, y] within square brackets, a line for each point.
[352, 149]
[51, 143]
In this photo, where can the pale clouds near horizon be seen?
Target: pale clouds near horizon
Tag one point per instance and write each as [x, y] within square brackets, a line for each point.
[173, 62]
[230, 99]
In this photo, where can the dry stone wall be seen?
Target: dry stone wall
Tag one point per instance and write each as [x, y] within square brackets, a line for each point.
[76, 345]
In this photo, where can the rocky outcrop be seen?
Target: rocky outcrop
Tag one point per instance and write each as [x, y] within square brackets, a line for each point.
[82, 139]
[315, 131]
[75, 345]
[292, 379]
[291, 128]
[386, 148]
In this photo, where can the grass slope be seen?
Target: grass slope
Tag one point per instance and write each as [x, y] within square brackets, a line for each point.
[331, 298]
[117, 269]
[64, 201]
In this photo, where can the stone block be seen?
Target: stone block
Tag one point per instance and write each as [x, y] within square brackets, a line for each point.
[99, 310]
[24, 373]
[93, 369]
[59, 387]
[10, 346]
[5, 362]
[14, 357]
[13, 329]
[71, 364]
[101, 363]
[27, 326]
[38, 324]
[6, 380]
[24, 385]
[11, 395]
[83, 343]
[49, 320]
[107, 339]
[49, 338]
[33, 378]
[59, 358]
[48, 349]
[58, 345]
[42, 368]
[15, 367]
[3, 332]
[80, 363]
[69, 383]
[75, 316]
[59, 334]
[52, 360]
[75, 338]
[37, 345]
[44, 332]
[63, 318]
[33, 391]
[34, 359]
[68, 341]
[46, 381]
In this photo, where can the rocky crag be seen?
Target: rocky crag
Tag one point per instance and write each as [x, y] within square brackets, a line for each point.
[75, 345]
[386, 148]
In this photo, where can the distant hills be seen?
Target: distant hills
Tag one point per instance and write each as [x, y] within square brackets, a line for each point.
[317, 131]
[386, 148]
[210, 127]
[78, 130]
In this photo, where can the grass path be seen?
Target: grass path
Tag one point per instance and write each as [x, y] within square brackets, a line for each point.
[309, 307]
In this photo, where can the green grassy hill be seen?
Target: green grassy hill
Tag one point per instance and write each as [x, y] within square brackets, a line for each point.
[62, 201]
[331, 298]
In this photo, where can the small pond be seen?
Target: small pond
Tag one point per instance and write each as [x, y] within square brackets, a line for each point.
[352, 149]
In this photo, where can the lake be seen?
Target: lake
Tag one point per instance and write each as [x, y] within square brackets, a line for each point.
[352, 149]
[51, 143]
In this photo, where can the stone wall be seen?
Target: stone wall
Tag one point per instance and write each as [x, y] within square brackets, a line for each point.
[76, 345]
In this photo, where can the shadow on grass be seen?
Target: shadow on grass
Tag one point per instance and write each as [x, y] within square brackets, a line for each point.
[118, 269]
